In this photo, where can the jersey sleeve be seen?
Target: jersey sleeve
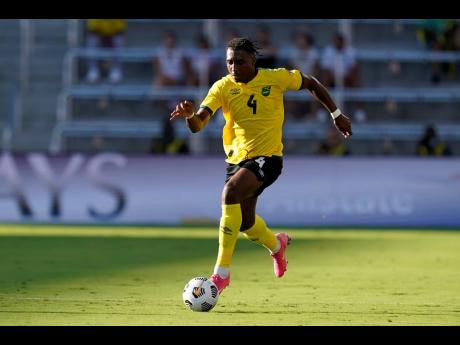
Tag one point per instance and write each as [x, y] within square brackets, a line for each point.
[289, 79]
[212, 101]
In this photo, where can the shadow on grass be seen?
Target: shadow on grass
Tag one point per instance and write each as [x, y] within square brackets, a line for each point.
[77, 312]
[28, 260]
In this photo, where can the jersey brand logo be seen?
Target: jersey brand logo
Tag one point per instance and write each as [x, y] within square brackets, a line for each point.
[266, 90]
[235, 91]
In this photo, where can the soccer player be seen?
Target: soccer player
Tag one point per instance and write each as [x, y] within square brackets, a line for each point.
[252, 104]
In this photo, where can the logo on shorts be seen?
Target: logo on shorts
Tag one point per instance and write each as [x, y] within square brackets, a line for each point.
[235, 91]
[266, 90]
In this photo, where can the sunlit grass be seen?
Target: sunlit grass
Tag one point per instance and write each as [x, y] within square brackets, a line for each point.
[68, 275]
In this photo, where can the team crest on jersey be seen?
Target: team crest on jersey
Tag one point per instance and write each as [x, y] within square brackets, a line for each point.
[266, 90]
[235, 91]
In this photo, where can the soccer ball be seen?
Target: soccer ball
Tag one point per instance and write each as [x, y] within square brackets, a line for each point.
[200, 294]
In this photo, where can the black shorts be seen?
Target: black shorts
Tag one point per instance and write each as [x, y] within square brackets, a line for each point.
[267, 170]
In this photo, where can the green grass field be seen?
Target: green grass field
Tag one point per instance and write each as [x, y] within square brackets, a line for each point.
[53, 275]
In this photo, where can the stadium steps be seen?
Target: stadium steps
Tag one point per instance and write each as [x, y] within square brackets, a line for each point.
[366, 35]
[28, 140]
[45, 81]
[150, 33]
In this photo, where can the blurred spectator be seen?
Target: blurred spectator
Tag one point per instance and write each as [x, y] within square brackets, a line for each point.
[333, 145]
[392, 109]
[340, 67]
[430, 32]
[452, 43]
[304, 57]
[438, 35]
[203, 64]
[170, 66]
[388, 146]
[338, 62]
[267, 58]
[456, 36]
[97, 144]
[169, 143]
[107, 33]
[431, 145]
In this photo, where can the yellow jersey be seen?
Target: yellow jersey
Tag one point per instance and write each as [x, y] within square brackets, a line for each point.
[106, 27]
[253, 112]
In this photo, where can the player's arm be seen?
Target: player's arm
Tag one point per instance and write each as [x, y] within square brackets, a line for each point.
[321, 94]
[195, 120]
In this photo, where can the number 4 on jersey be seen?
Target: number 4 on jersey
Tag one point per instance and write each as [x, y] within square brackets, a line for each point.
[252, 103]
[260, 161]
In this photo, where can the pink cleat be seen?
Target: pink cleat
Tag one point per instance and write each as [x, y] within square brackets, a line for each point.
[279, 259]
[220, 282]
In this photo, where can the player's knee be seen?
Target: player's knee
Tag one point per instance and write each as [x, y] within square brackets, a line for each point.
[230, 195]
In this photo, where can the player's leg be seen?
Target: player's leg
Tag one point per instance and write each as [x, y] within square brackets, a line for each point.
[275, 243]
[254, 228]
[241, 186]
[248, 212]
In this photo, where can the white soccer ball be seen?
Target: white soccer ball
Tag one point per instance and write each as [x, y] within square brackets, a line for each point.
[200, 294]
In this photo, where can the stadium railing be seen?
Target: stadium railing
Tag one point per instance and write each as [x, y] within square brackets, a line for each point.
[67, 126]
[153, 129]
[377, 21]
[145, 54]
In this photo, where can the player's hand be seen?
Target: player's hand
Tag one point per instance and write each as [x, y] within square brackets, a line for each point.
[183, 109]
[343, 124]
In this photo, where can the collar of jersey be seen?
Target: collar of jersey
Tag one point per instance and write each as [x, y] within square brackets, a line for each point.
[252, 80]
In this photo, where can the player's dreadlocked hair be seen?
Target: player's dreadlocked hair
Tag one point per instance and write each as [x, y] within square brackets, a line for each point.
[243, 43]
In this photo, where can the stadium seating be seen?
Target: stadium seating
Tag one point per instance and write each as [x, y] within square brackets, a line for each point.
[134, 110]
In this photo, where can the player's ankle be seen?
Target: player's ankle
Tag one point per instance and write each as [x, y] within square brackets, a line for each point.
[277, 247]
[223, 272]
